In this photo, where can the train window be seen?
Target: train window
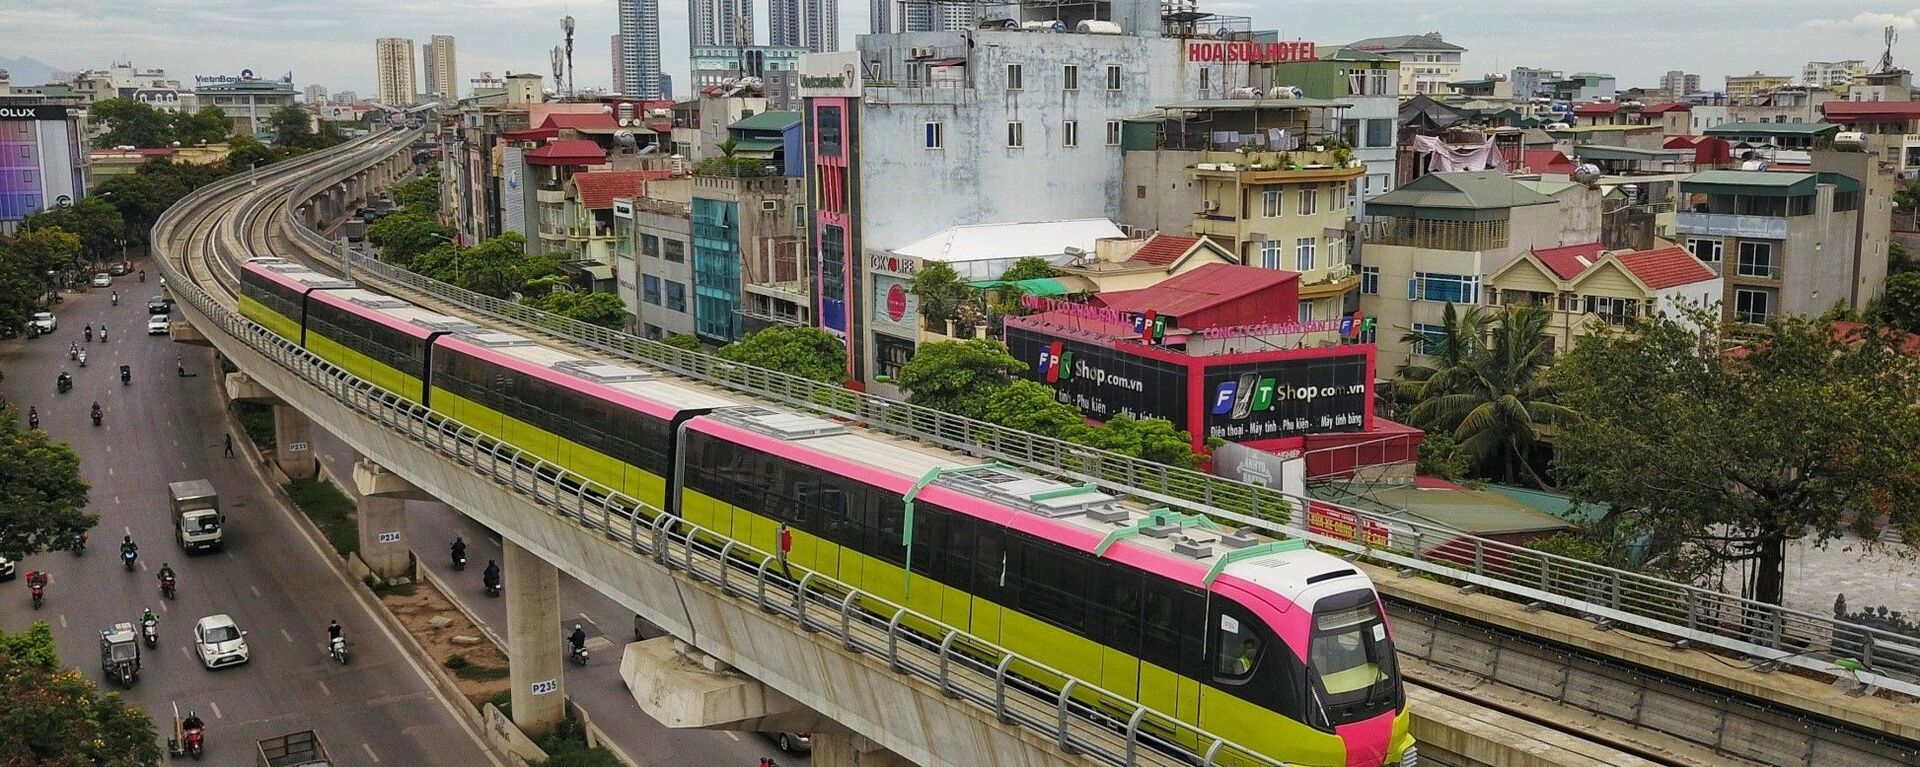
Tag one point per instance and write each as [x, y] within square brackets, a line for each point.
[1052, 583]
[990, 565]
[1115, 604]
[942, 544]
[1236, 644]
[1349, 650]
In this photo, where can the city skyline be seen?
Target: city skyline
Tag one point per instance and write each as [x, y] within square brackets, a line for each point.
[1777, 36]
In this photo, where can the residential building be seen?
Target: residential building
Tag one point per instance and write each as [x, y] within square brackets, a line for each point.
[739, 220]
[1014, 126]
[666, 86]
[1835, 75]
[1793, 242]
[103, 164]
[1582, 86]
[43, 159]
[638, 50]
[772, 137]
[1798, 136]
[1587, 289]
[123, 80]
[1141, 262]
[619, 72]
[443, 76]
[810, 24]
[1490, 88]
[1195, 168]
[721, 22]
[664, 229]
[588, 219]
[1675, 118]
[714, 117]
[316, 95]
[1369, 83]
[1439, 235]
[1891, 85]
[1755, 84]
[776, 66]
[248, 103]
[1427, 62]
[1678, 84]
[1889, 129]
[1531, 83]
[394, 68]
[1788, 104]
[344, 98]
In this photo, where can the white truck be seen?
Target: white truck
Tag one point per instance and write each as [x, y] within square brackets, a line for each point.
[197, 521]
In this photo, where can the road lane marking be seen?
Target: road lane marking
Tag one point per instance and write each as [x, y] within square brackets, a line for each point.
[128, 530]
[324, 688]
[289, 637]
[370, 753]
[589, 619]
[63, 620]
[163, 605]
[731, 735]
[143, 565]
[116, 500]
[110, 470]
[254, 589]
[110, 449]
[186, 652]
[216, 710]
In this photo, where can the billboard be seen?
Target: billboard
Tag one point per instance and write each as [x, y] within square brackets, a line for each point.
[1100, 380]
[1285, 397]
[894, 304]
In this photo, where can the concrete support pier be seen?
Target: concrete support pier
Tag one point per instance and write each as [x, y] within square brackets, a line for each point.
[536, 648]
[382, 516]
[292, 443]
[841, 749]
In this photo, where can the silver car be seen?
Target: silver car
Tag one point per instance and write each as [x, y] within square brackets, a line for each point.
[157, 324]
[44, 322]
[102, 280]
[220, 641]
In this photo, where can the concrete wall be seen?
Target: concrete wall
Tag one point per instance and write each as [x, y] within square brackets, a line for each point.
[669, 228]
[1159, 194]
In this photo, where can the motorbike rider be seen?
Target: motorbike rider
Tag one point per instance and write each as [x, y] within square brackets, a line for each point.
[128, 547]
[116, 302]
[333, 632]
[166, 574]
[103, 332]
[89, 332]
[73, 350]
[192, 723]
[491, 578]
[96, 412]
[578, 639]
[143, 275]
[147, 616]
[33, 418]
[459, 548]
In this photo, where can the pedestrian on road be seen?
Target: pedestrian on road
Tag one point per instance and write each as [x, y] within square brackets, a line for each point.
[182, 365]
[229, 445]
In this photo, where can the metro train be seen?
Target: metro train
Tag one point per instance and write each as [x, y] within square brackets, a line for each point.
[1284, 650]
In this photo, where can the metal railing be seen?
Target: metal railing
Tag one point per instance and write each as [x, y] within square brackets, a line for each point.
[1770, 634]
[1079, 717]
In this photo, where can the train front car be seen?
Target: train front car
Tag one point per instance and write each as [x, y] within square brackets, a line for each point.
[1337, 679]
[273, 294]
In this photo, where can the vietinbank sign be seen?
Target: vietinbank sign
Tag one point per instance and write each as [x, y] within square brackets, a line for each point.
[1251, 53]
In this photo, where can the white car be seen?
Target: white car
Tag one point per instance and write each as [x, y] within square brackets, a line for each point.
[7, 570]
[220, 641]
[102, 280]
[44, 322]
[157, 324]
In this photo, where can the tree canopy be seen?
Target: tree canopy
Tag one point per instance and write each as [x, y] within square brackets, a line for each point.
[1029, 268]
[245, 152]
[1488, 389]
[603, 309]
[130, 123]
[498, 267]
[41, 492]
[958, 377]
[207, 126]
[54, 717]
[405, 235]
[806, 352]
[95, 220]
[421, 195]
[686, 341]
[1899, 306]
[1722, 457]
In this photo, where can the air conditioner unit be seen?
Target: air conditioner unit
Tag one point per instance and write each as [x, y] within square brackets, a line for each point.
[769, 205]
[1210, 205]
[921, 53]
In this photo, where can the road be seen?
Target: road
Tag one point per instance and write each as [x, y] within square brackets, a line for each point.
[275, 581]
[597, 687]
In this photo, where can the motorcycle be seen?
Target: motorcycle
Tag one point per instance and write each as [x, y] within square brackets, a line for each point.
[33, 420]
[493, 589]
[150, 631]
[96, 416]
[127, 556]
[103, 334]
[166, 587]
[79, 545]
[578, 655]
[194, 737]
[116, 302]
[64, 383]
[459, 561]
[126, 375]
[39, 594]
[337, 650]
[73, 352]
[89, 335]
[83, 358]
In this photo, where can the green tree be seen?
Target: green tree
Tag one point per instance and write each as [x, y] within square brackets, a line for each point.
[1152, 439]
[405, 235]
[498, 267]
[1030, 406]
[1725, 457]
[603, 309]
[138, 200]
[1899, 306]
[959, 377]
[291, 127]
[94, 220]
[246, 152]
[940, 290]
[41, 492]
[1029, 268]
[1440, 456]
[207, 126]
[1462, 333]
[54, 717]
[421, 195]
[130, 123]
[1494, 398]
[806, 352]
[687, 341]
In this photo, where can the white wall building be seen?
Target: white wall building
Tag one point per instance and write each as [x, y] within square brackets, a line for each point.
[394, 68]
[1831, 74]
[443, 76]
[638, 49]
[1427, 63]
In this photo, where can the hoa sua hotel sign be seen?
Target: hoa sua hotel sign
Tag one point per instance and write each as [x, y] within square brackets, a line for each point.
[1251, 53]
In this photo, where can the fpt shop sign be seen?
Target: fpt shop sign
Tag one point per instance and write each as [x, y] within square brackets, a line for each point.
[1283, 398]
[1101, 381]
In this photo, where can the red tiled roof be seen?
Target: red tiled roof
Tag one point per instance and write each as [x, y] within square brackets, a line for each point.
[1671, 106]
[1547, 161]
[1204, 288]
[1164, 249]
[579, 121]
[1567, 262]
[1843, 330]
[1848, 111]
[596, 190]
[1680, 142]
[530, 134]
[568, 152]
[1600, 108]
[1664, 268]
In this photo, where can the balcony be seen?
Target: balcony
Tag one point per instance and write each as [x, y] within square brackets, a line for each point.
[1265, 167]
[1338, 281]
[550, 196]
[1224, 227]
[1732, 225]
[588, 233]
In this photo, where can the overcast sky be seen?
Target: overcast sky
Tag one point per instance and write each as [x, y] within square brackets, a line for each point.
[331, 43]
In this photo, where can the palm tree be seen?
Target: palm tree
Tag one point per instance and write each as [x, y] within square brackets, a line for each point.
[1462, 334]
[1496, 398]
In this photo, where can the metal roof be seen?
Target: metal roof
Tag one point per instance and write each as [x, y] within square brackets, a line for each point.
[1427, 42]
[1249, 105]
[774, 121]
[1602, 152]
[1476, 190]
[989, 242]
[1772, 129]
[1764, 183]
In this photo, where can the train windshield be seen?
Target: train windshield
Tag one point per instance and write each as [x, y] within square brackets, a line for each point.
[1352, 658]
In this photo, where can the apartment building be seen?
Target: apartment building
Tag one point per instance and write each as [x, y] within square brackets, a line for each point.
[1369, 84]
[1792, 242]
[1427, 62]
[1439, 235]
[396, 72]
[1831, 74]
[663, 230]
[1739, 86]
[1588, 289]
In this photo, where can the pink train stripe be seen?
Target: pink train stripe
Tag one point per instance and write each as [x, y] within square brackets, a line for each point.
[557, 378]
